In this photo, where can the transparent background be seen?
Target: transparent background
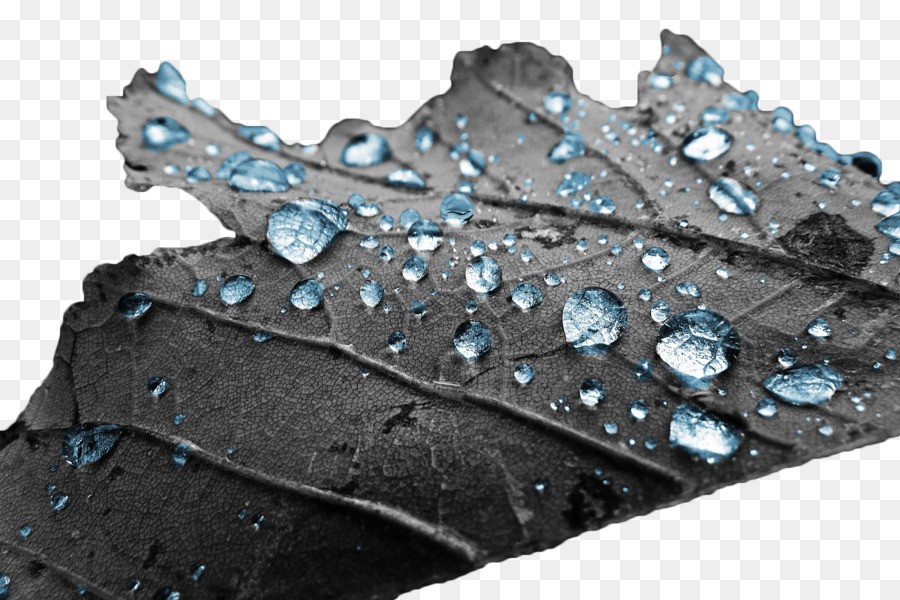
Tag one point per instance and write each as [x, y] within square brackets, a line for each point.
[826, 530]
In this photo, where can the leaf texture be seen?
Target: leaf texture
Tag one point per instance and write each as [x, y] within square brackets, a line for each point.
[322, 465]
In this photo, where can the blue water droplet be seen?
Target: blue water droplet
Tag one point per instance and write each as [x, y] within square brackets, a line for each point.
[212, 149]
[524, 373]
[59, 501]
[300, 230]
[295, 173]
[714, 115]
[424, 139]
[24, 532]
[705, 143]
[611, 429]
[230, 163]
[477, 248]
[731, 197]
[263, 336]
[526, 296]
[195, 174]
[887, 202]
[783, 120]
[686, 288]
[659, 81]
[307, 294]
[370, 242]
[603, 205]
[236, 289]
[697, 345]
[385, 222]
[180, 455]
[571, 145]
[166, 593]
[592, 392]
[406, 178]
[787, 357]
[371, 293]
[261, 136]
[199, 288]
[408, 217]
[819, 328]
[706, 69]
[473, 164]
[572, 183]
[557, 103]
[457, 209]
[890, 226]
[655, 259]
[483, 275]
[387, 254]
[203, 106]
[397, 342]
[366, 150]
[169, 82]
[702, 434]
[660, 311]
[552, 279]
[415, 268]
[258, 175]
[746, 101]
[134, 305]
[88, 442]
[766, 407]
[424, 235]
[830, 178]
[594, 318]
[643, 371]
[472, 340]
[162, 133]
[638, 409]
[804, 384]
[157, 385]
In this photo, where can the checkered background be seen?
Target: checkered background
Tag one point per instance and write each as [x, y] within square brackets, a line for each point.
[828, 530]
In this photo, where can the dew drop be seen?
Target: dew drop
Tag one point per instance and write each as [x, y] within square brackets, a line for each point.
[638, 409]
[594, 318]
[396, 342]
[365, 150]
[424, 235]
[406, 178]
[659, 81]
[88, 442]
[180, 455]
[415, 268]
[472, 340]
[300, 230]
[643, 371]
[787, 357]
[592, 392]
[307, 294]
[258, 175]
[424, 139]
[572, 183]
[703, 435]
[697, 345]
[229, 164]
[603, 205]
[731, 197]
[804, 384]
[260, 135]
[162, 133]
[571, 145]
[371, 293]
[157, 385]
[766, 407]
[819, 328]
[686, 288]
[655, 259]
[705, 143]
[133, 305]
[557, 103]
[660, 311]
[59, 501]
[705, 69]
[524, 373]
[483, 275]
[457, 209]
[169, 82]
[236, 289]
[526, 296]
[295, 173]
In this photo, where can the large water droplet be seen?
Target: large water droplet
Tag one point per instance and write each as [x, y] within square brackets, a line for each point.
[408, 217]
[230, 163]
[258, 176]
[457, 209]
[593, 319]
[705, 143]
[472, 340]
[170, 83]
[697, 345]
[260, 135]
[300, 230]
[804, 384]
[133, 305]
[366, 150]
[406, 178]
[660, 311]
[655, 259]
[88, 443]
[526, 296]
[703, 435]
[162, 133]
[557, 103]
[638, 409]
[236, 289]
[787, 357]
[572, 183]
[819, 328]
[397, 342]
[571, 145]
[524, 373]
[887, 202]
[371, 293]
[295, 173]
[483, 275]
[705, 69]
[731, 197]
[424, 139]
[603, 205]
[473, 164]
[890, 226]
[415, 268]
[307, 294]
[592, 391]
[424, 235]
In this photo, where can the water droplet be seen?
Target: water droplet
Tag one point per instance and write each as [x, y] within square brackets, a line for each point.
[169, 82]
[705, 143]
[59, 501]
[572, 183]
[199, 287]
[603, 205]
[819, 328]
[371, 293]
[830, 178]
[230, 163]
[166, 593]
[552, 279]
[714, 115]
[638, 409]
[157, 385]
[408, 217]
[697, 345]
[659, 81]
[307, 294]
[557, 103]
[236, 289]
[732, 198]
[483, 275]
[686, 288]
[472, 340]
[526, 296]
[180, 455]
[295, 173]
[134, 305]
[258, 175]
[415, 268]
[592, 392]
[887, 202]
[611, 428]
[594, 318]
[890, 226]
[424, 235]
[162, 133]
[300, 230]
[705, 69]
[424, 139]
[366, 150]
[397, 342]
[826, 430]
[643, 371]
[804, 384]
[655, 259]
[260, 135]
[387, 254]
[524, 373]
[203, 106]
[787, 357]
[457, 209]
[418, 308]
[890, 354]
[473, 164]
[766, 407]
[88, 442]
[369, 242]
[703, 435]
[571, 145]
[722, 272]
[660, 311]
[406, 178]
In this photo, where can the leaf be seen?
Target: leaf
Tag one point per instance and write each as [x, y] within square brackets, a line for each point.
[318, 463]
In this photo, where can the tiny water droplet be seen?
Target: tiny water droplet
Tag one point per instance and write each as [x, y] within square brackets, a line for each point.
[162, 133]
[397, 342]
[260, 135]
[180, 455]
[557, 103]
[524, 373]
[766, 407]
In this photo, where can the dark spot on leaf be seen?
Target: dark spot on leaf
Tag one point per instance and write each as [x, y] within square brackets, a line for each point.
[828, 240]
[590, 503]
[401, 419]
